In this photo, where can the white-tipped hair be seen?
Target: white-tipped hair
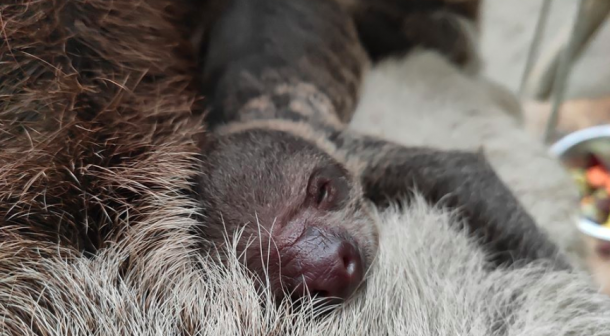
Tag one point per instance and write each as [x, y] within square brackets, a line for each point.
[429, 279]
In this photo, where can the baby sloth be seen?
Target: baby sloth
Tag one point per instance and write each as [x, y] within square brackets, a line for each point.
[281, 80]
[306, 225]
[305, 222]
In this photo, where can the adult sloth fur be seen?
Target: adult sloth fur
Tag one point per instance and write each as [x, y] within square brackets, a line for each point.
[97, 145]
[95, 120]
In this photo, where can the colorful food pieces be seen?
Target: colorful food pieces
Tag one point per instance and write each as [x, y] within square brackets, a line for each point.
[580, 177]
[593, 181]
[597, 177]
[590, 211]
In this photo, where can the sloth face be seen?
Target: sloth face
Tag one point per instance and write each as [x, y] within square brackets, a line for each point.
[304, 220]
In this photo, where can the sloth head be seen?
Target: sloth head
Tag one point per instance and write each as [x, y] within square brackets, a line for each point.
[304, 220]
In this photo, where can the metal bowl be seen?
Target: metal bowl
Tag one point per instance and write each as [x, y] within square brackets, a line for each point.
[581, 142]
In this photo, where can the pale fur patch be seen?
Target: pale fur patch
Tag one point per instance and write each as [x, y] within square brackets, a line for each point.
[428, 280]
[300, 129]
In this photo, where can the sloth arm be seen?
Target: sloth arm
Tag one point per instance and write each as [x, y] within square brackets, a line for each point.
[457, 180]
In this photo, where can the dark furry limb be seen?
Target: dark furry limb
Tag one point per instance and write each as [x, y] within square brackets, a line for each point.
[396, 27]
[258, 51]
[456, 180]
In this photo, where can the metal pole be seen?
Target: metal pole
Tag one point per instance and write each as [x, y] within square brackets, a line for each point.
[563, 71]
[535, 45]
[544, 71]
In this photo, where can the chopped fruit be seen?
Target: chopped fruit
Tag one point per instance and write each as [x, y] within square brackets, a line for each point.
[593, 181]
[597, 177]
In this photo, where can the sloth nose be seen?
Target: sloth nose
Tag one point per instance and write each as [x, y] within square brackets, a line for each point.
[323, 265]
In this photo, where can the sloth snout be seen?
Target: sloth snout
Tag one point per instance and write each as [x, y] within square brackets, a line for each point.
[323, 265]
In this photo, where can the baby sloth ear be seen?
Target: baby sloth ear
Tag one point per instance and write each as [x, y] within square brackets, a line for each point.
[328, 188]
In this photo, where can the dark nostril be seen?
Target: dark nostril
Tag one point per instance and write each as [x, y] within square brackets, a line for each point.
[351, 261]
[349, 256]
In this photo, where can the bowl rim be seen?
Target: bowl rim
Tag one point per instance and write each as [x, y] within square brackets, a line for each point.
[564, 144]
[593, 229]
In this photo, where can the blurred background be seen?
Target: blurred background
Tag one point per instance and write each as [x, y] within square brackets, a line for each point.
[508, 29]
[507, 33]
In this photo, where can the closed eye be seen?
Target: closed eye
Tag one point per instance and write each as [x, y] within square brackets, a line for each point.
[323, 192]
[327, 189]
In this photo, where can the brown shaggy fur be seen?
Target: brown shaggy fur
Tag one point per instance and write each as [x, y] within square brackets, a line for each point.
[97, 138]
[95, 110]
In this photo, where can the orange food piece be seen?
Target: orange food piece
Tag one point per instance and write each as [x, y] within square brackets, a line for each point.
[597, 177]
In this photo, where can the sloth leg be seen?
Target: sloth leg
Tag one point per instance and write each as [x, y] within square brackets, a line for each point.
[457, 180]
[394, 27]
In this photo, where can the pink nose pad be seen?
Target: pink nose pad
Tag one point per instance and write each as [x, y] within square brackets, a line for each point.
[322, 265]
